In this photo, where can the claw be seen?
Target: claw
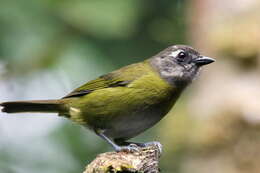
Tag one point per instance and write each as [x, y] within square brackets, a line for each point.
[157, 144]
[130, 148]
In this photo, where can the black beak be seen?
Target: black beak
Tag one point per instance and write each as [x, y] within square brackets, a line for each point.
[203, 60]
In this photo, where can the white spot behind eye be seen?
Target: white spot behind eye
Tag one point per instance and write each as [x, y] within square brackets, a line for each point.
[175, 53]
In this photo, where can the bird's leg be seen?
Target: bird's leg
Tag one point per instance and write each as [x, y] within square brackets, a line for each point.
[152, 143]
[128, 148]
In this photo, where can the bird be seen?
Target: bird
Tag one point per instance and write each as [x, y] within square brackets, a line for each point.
[122, 104]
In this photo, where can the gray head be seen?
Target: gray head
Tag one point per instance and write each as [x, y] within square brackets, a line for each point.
[179, 64]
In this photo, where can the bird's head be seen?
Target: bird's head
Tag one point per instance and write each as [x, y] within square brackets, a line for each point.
[179, 64]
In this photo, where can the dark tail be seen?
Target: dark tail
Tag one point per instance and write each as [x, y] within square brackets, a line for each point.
[50, 106]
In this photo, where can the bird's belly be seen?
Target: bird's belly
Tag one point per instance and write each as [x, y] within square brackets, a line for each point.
[126, 127]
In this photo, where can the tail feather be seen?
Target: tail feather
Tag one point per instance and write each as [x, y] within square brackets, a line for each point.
[50, 106]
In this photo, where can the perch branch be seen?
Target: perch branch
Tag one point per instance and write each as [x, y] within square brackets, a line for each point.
[145, 160]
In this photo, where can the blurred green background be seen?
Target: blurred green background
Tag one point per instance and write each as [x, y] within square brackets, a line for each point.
[49, 47]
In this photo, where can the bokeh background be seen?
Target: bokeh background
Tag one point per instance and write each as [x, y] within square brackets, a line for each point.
[49, 47]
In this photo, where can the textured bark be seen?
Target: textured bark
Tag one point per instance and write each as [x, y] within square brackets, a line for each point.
[145, 160]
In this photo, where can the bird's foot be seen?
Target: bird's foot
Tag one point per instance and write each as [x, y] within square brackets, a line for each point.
[153, 143]
[131, 148]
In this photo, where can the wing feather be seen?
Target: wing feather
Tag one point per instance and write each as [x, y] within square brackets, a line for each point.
[119, 78]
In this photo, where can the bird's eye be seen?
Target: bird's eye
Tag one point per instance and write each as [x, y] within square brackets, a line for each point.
[181, 56]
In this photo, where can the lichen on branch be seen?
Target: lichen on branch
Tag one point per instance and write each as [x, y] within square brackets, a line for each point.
[145, 160]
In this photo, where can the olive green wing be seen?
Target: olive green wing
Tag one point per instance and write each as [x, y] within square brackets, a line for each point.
[119, 78]
[102, 82]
